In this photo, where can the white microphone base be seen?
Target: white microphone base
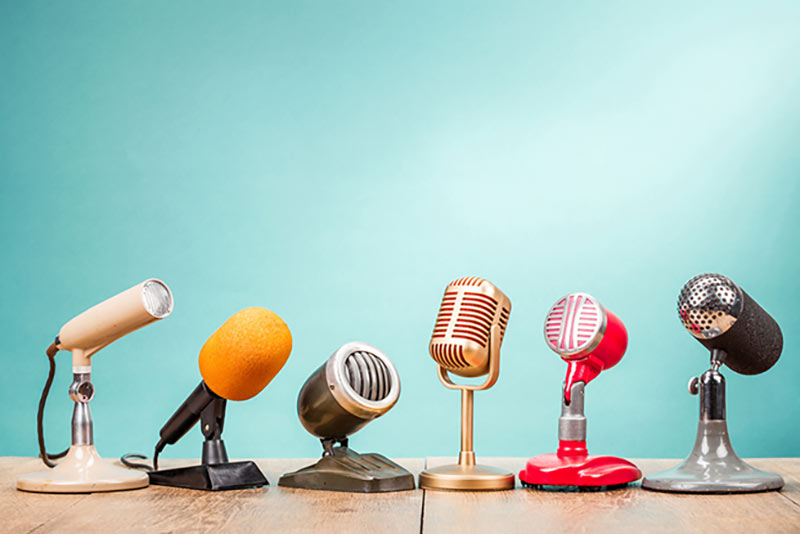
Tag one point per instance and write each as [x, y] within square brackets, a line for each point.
[82, 471]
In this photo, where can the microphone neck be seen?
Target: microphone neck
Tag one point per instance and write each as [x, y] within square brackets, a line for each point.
[718, 357]
[572, 423]
[467, 455]
[212, 419]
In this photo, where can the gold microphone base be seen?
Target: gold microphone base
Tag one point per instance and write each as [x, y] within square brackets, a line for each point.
[459, 477]
[82, 471]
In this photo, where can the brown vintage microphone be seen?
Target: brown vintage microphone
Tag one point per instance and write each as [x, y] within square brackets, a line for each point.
[466, 341]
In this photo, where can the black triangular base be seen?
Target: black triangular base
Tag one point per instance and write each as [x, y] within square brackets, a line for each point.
[215, 477]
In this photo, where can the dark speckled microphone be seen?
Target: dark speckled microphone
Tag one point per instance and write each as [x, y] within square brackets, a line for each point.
[741, 335]
[722, 316]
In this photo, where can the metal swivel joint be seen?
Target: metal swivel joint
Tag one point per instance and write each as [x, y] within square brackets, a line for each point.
[82, 391]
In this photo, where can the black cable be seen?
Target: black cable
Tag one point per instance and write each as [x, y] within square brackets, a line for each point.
[125, 459]
[135, 465]
[51, 353]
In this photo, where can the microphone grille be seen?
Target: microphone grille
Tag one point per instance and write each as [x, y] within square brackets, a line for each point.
[157, 298]
[575, 325]
[368, 375]
[470, 307]
[709, 304]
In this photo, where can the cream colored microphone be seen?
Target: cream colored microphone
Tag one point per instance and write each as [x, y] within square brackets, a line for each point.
[466, 341]
[83, 470]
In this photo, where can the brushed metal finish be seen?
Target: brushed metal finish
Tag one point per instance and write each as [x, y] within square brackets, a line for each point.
[82, 391]
[572, 423]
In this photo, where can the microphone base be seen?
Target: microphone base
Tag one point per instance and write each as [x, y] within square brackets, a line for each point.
[572, 468]
[82, 471]
[713, 467]
[347, 470]
[212, 477]
[461, 477]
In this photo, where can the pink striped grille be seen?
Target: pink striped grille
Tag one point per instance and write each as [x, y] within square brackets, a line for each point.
[573, 323]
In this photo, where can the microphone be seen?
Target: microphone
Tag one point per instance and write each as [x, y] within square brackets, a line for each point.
[591, 339]
[466, 341]
[357, 384]
[460, 340]
[238, 361]
[720, 315]
[739, 334]
[82, 469]
[587, 336]
[108, 321]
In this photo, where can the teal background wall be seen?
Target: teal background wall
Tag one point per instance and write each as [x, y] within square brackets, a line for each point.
[341, 162]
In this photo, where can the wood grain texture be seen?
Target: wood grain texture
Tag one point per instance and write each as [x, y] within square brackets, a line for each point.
[274, 509]
[625, 510]
[160, 509]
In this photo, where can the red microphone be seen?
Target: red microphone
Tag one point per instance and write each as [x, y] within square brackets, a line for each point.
[590, 339]
[587, 336]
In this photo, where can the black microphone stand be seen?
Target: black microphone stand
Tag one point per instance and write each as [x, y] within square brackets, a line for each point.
[215, 473]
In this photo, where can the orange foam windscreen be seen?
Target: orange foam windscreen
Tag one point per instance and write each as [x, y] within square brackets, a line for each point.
[245, 353]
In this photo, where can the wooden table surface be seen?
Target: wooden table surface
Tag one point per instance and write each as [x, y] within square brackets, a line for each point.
[274, 509]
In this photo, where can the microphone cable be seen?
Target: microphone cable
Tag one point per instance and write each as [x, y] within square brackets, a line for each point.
[125, 459]
[47, 458]
[51, 352]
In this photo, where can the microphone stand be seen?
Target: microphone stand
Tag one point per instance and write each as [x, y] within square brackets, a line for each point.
[215, 473]
[712, 466]
[82, 470]
[467, 474]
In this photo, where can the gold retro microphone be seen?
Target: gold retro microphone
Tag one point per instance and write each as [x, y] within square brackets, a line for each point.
[466, 341]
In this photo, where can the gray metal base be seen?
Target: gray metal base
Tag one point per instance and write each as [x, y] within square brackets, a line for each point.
[713, 467]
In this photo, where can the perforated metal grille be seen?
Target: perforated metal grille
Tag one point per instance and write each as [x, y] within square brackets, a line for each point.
[368, 375]
[709, 305]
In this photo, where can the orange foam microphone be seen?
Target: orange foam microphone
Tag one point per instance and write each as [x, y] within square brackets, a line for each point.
[238, 361]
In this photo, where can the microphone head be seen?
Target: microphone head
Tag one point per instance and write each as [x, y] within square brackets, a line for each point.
[586, 335]
[357, 384]
[245, 353]
[576, 326]
[721, 315]
[470, 307]
[115, 317]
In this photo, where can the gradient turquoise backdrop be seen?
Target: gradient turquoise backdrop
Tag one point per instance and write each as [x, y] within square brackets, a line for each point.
[341, 162]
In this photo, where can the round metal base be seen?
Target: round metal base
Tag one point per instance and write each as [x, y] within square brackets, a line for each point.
[466, 478]
[713, 467]
[82, 471]
[731, 475]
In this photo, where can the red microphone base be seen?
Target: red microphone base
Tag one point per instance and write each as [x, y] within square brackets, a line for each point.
[572, 467]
